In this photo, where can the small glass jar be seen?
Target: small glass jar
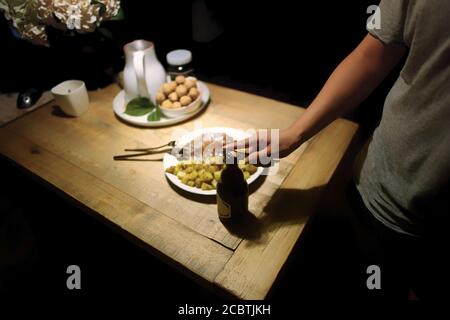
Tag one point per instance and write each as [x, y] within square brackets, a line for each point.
[179, 63]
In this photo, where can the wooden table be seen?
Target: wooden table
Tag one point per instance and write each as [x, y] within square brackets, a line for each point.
[74, 155]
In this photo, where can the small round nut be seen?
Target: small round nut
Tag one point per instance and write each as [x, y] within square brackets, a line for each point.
[173, 97]
[185, 100]
[189, 83]
[193, 93]
[160, 97]
[180, 79]
[173, 85]
[181, 90]
[167, 88]
[176, 105]
[167, 104]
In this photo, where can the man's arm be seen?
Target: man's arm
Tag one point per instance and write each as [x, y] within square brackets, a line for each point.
[350, 83]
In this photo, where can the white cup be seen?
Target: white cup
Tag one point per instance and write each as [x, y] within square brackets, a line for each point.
[72, 97]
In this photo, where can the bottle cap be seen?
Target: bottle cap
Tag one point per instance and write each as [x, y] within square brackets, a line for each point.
[179, 57]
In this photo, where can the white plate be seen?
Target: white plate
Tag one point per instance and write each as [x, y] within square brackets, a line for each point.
[169, 160]
[119, 110]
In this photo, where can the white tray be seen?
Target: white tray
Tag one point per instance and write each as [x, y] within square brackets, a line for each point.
[119, 110]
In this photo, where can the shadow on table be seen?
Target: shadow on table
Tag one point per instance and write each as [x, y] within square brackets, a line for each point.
[287, 206]
[248, 227]
[285, 198]
[57, 112]
[291, 206]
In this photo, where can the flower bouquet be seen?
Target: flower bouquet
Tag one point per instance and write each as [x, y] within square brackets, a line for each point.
[31, 18]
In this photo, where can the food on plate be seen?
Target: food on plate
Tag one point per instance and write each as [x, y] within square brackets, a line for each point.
[190, 83]
[185, 100]
[181, 93]
[173, 97]
[193, 93]
[166, 88]
[176, 105]
[181, 90]
[205, 174]
[203, 146]
[167, 104]
[180, 79]
[160, 97]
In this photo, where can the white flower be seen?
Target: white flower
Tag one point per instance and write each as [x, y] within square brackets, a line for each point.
[31, 17]
[74, 17]
[36, 30]
[60, 16]
[74, 10]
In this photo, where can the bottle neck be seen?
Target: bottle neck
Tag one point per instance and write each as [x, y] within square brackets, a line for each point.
[232, 174]
[232, 166]
[230, 159]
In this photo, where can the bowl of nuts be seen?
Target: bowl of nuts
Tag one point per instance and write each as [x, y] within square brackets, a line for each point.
[179, 97]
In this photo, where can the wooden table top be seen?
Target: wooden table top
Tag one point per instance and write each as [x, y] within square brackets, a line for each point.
[74, 155]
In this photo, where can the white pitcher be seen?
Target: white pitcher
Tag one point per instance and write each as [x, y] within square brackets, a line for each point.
[143, 74]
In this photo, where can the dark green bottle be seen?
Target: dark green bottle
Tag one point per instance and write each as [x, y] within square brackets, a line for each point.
[232, 192]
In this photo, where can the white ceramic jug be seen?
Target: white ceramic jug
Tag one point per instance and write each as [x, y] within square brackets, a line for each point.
[143, 74]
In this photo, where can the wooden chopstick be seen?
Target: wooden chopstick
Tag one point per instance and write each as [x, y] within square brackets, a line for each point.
[169, 144]
[133, 155]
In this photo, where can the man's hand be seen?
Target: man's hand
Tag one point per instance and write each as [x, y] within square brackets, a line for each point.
[263, 145]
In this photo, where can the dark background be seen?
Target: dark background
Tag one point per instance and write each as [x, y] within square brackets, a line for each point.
[280, 49]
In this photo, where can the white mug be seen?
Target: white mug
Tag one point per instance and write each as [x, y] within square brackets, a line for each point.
[72, 97]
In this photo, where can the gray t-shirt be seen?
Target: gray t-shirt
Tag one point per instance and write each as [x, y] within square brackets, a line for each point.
[405, 172]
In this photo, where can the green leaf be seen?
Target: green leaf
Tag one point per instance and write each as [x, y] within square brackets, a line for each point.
[102, 9]
[119, 16]
[155, 115]
[139, 106]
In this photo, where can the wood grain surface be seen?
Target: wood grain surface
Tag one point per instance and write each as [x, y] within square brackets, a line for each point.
[74, 155]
